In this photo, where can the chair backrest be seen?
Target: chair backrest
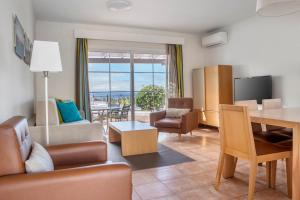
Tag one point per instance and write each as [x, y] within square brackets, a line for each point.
[180, 103]
[125, 110]
[236, 131]
[251, 104]
[115, 111]
[271, 103]
[15, 146]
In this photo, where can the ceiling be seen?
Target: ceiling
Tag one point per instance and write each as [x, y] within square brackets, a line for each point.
[191, 16]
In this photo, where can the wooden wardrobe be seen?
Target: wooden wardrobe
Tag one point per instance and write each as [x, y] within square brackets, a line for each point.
[212, 86]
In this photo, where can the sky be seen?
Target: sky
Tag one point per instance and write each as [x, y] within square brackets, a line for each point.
[120, 76]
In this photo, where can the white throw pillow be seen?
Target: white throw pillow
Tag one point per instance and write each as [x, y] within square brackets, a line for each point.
[39, 160]
[176, 112]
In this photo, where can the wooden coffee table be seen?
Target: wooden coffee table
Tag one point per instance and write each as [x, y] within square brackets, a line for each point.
[136, 137]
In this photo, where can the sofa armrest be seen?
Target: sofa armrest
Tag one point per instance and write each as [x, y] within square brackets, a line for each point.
[155, 116]
[65, 134]
[80, 153]
[111, 181]
[190, 121]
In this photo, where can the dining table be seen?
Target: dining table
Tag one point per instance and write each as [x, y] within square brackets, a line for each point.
[100, 109]
[283, 117]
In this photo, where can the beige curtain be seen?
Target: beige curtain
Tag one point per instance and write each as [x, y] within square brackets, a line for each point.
[82, 78]
[175, 68]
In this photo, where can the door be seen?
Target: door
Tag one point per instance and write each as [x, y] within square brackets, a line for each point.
[110, 84]
[119, 79]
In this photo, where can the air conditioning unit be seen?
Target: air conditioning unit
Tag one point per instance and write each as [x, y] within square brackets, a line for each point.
[215, 39]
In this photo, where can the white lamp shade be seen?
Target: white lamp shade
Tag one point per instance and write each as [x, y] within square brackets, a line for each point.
[275, 8]
[45, 57]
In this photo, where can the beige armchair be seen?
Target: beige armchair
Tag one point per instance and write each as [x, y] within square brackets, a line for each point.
[183, 125]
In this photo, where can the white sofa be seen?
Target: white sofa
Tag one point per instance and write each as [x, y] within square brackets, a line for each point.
[81, 131]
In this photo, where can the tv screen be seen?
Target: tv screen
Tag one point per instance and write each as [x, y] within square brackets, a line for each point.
[253, 88]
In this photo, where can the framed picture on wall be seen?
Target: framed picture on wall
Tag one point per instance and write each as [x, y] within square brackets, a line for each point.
[19, 38]
[27, 53]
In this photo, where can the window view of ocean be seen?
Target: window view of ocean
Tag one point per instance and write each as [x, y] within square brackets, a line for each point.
[110, 80]
[114, 84]
[103, 80]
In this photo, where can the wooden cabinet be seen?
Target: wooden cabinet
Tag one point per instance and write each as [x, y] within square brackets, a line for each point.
[199, 91]
[212, 86]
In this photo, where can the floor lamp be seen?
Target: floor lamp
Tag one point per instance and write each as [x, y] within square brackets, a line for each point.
[45, 58]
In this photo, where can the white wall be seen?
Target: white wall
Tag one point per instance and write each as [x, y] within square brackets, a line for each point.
[16, 81]
[62, 85]
[264, 46]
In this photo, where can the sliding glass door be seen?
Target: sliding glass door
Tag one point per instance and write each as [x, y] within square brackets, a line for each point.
[149, 84]
[120, 79]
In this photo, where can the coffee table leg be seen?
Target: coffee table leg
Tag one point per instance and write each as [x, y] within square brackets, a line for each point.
[114, 136]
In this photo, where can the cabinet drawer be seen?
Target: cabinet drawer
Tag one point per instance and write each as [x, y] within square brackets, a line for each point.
[210, 118]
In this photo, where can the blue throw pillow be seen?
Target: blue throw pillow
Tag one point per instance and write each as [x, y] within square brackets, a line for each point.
[69, 111]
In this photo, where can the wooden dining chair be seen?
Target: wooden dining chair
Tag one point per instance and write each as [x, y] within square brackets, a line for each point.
[237, 141]
[275, 104]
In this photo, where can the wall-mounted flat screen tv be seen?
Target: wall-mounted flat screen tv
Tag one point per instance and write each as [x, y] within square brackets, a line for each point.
[253, 88]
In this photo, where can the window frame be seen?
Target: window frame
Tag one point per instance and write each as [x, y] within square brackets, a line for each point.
[132, 73]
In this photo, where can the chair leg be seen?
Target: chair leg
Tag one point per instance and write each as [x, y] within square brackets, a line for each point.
[235, 162]
[229, 166]
[252, 180]
[289, 176]
[268, 174]
[179, 136]
[219, 171]
[273, 174]
[191, 133]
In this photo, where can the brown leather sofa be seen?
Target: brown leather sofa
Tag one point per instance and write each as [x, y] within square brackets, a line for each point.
[183, 125]
[81, 171]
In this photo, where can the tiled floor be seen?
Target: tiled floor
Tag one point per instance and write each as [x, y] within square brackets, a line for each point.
[194, 180]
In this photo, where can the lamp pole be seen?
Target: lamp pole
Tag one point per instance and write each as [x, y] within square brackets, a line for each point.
[45, 73]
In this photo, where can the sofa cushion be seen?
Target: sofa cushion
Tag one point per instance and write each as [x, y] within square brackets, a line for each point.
[168, 123]
[176, 112]
[58, 112]
[84, 121]
[52, 113]
[69, 111]
[39, 160]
